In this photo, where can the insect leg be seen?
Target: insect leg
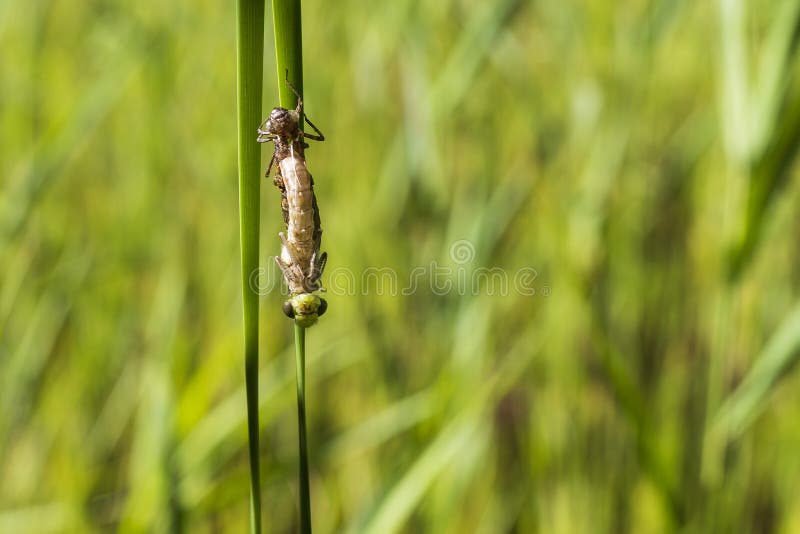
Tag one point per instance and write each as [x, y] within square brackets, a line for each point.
[299, 109]
[262, 131]
[318, 137]
[288, 271]
[282, 265]
[263, 124]
[311, 264]
[291, 273]
[269, 168]
[318, 265]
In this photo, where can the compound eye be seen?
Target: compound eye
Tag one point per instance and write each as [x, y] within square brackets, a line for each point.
[277, 114]
[288, 310]
[323, 307]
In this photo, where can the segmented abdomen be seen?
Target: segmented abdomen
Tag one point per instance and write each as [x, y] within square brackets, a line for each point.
[302, 223]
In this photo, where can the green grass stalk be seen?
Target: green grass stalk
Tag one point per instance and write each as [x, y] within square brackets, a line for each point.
[305, 494]
[288, 49]
[289, 61]
[249, 74]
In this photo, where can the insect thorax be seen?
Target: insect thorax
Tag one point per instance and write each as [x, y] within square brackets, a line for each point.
[285, 123]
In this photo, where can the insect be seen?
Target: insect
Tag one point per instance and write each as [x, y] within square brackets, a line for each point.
[300, 260]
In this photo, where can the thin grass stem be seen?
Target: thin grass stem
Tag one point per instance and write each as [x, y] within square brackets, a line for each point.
[289, 60]
[305, 494]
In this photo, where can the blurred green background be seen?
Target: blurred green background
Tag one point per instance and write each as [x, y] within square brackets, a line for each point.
[638, 155]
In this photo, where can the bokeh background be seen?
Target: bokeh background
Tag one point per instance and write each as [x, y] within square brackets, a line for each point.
[637, 155]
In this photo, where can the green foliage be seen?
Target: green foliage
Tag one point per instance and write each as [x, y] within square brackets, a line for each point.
[289, 59]
[288, 49]
[639, 157]
[304, 497]
[249, 73]
[777, 358]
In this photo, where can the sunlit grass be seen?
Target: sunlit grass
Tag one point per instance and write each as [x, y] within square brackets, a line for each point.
[652, 387]
[249, 55]
[289, 60]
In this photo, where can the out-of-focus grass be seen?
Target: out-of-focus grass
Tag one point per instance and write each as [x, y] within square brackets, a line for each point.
[636, 155]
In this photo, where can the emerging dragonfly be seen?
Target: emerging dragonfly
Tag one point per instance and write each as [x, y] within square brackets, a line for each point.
[300, 259]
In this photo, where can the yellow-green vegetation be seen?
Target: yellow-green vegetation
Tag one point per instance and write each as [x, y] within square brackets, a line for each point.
[249, 74]
[625, 170]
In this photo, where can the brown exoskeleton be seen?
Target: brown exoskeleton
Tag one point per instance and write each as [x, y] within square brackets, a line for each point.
[300, 259]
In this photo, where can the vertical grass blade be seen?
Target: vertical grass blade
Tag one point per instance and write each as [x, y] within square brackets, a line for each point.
[775, 112]
[249, 73]
[305, 494]
[770, 175]
[288, 49]
[289, 61]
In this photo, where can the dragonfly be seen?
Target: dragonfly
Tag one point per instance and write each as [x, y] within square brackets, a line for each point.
[300, 260]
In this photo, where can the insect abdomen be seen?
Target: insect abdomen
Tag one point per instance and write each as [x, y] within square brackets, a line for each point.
[301, 227]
